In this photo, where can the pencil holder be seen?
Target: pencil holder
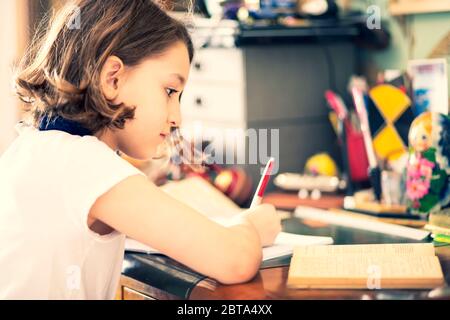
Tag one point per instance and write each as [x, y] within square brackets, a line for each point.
[356, 153]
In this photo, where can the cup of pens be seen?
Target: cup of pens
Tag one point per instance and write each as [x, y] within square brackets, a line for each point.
[392, 188]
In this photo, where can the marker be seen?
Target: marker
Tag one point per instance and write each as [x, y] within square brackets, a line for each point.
[257, 198]
[374, 169]
[361, 111]
[335, 102]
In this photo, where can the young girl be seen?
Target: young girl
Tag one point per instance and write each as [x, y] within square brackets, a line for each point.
[111, 82]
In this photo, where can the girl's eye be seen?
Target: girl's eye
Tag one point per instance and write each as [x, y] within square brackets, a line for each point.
[170, 92]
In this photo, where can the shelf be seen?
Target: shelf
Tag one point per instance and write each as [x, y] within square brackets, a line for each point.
[405, 7]
[266, 34]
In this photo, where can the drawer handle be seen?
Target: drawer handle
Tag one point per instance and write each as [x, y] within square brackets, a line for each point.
[198, 66]
[199, 102]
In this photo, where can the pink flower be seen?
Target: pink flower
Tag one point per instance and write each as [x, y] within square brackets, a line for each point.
[426, 172]
[413, 170]
[420, 168]
[426, 163]
[417, 188]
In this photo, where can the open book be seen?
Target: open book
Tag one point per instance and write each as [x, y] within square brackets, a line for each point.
[205, 198]
[373, 266]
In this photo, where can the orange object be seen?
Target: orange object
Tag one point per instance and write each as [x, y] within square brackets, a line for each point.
[288, 201]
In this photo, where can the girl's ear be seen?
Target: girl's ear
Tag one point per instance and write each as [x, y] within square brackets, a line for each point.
[111, 77]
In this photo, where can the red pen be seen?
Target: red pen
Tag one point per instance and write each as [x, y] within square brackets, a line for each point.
[262, 183]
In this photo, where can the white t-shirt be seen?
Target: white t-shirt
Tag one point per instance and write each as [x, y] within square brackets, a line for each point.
[48, 182]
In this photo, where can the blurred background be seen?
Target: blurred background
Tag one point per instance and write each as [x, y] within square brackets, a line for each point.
[267, 64]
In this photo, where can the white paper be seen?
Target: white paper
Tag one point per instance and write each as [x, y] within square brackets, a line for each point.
[285, 238]
[276, 251]
[284, 245]
[359, 223]
[285, 242]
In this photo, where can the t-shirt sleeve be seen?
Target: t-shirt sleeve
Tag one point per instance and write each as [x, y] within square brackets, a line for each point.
[91, 169]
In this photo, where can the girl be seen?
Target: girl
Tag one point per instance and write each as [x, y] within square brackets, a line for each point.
[111, 82]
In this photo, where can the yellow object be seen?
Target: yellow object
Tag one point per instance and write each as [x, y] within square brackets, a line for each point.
[388, 144]
[223, 180]
[332, 116]
[321, 164]
[392, 103]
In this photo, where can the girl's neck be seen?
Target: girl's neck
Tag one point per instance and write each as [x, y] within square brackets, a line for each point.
[109, 138]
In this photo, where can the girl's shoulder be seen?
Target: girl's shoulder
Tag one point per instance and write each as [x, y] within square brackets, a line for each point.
[69, 151]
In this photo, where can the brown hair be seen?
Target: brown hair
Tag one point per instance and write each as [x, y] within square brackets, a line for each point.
[60, 74]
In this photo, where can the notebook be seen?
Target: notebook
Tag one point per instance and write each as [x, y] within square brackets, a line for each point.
[373, 266]
[205, 198]
[201, 195]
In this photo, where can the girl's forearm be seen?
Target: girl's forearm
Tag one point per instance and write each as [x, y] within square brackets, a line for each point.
[244, 252]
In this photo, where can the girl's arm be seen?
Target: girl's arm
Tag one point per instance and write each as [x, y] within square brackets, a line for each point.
[139, 209]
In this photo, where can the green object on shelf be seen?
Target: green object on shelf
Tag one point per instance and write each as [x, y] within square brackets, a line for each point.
[442, 238]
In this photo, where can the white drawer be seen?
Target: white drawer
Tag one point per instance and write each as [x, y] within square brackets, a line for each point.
[214, 103]
[218, 65]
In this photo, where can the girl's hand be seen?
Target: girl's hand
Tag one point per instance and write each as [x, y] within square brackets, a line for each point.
[266, 221]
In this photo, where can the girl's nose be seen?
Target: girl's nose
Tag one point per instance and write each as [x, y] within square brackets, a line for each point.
[175, 117]
[173, 124]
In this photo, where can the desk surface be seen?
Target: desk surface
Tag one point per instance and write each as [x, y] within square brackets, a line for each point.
[270, 282]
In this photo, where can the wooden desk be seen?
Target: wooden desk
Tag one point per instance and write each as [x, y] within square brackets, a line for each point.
[270, 283]
[290, 200]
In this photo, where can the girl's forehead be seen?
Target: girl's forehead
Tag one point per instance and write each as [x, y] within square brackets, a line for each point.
[173, 61]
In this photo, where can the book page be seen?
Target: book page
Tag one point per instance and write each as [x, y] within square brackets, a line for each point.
[397, 249]
[202, 196]
[363, 271]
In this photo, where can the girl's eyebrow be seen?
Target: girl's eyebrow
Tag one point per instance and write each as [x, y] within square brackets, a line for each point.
[179, 77]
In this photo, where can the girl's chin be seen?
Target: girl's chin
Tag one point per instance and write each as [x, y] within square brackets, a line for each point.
[143, 155]
[162, 150]
[150, 152]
